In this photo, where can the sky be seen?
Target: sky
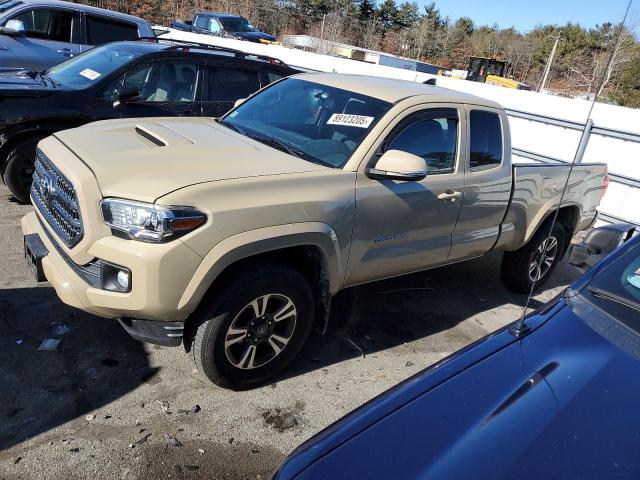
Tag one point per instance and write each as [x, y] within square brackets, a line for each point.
[524, 15]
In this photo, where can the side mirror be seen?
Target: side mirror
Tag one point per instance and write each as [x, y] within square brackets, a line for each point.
[126, 94]
[398, 165]
[239, 102]
[15, 28]
[599, 243]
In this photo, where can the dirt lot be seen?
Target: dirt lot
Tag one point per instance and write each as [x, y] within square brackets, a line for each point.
[104, 406]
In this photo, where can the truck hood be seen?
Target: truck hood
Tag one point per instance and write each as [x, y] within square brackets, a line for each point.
[146, 159]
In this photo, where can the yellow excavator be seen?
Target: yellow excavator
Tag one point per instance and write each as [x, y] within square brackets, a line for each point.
[493, 72]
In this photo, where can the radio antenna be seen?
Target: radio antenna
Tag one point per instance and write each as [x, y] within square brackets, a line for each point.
[521, 327]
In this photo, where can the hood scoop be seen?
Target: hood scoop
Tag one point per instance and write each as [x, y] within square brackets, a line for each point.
[162, 135]
[150, 136]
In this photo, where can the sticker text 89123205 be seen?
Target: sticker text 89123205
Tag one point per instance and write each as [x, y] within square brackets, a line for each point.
[348, 120]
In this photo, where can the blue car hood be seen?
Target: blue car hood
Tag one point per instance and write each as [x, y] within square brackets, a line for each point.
[560, 403]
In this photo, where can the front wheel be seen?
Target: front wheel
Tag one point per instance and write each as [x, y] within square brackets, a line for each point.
[255, 328]
[18, 171]
[534, 262]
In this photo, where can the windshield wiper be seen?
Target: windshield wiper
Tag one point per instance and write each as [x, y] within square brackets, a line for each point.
[285, 147]
[612, 297]
[280, 145]
[233, 127]
[45, 76]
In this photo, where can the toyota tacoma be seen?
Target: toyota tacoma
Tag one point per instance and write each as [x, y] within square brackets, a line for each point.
[230, 236]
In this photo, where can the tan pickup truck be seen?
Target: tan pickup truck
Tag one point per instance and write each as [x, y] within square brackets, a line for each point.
[231, 236]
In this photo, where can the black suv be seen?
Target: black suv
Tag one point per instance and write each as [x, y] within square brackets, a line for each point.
[119, 80]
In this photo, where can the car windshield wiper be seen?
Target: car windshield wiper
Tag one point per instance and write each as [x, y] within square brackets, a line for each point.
[45, 76]
[233, 127]
[286, 147]
[612, 297]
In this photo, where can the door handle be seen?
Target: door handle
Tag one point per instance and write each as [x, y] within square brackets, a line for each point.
[450, 195]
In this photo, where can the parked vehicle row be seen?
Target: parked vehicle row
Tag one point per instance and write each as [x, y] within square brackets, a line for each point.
[230, 233]
[232, 236]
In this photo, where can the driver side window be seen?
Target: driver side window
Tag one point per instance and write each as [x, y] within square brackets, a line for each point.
[47, 24]
[432, 136]
[159, 82]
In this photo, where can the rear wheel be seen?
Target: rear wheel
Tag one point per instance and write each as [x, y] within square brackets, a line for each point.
[18, 172]
[255, 328]
[536, 261]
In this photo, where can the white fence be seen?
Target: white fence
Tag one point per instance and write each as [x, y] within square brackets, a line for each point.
[544, 128]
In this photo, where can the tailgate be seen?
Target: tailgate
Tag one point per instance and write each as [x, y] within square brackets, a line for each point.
[537, 189]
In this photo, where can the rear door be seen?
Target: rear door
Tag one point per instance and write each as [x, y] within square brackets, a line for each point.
[487, 184]
[405, 226]
[168, 86]
[99, 29]
[226, 82]
[52, 34]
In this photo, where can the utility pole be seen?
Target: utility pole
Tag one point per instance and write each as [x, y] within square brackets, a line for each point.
[547, 67]
[322, 35]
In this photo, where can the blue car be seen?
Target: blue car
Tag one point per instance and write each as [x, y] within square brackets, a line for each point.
[555, 396]
[38, 34]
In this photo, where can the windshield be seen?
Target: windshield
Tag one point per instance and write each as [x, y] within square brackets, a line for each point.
[92, 66]
[237, 24]
[319, 123]
[616, 290]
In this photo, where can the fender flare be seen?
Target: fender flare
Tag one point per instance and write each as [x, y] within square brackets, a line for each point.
[263, 240]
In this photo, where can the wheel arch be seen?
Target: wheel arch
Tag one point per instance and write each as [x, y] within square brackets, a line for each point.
[568, 217]
[310, 248]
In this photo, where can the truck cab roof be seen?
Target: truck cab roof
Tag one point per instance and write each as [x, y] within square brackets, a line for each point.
[74, 6]
[394, 90]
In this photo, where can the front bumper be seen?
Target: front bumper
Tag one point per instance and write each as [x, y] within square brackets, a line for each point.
[160, 274]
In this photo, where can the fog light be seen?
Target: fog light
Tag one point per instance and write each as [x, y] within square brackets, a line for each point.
[123, 279]
[115, 278]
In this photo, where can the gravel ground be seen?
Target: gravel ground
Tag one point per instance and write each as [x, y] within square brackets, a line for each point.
[104, 406]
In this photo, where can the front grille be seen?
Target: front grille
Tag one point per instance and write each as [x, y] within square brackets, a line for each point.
[55, 198]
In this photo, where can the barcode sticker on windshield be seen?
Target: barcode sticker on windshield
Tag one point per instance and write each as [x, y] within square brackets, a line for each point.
[90, 74]
[349, 120]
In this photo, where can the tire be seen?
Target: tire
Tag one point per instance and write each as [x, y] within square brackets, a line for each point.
[235, 360]
[19, 168]
[517, 266]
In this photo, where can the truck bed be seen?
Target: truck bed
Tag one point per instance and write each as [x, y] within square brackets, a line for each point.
[537, 190]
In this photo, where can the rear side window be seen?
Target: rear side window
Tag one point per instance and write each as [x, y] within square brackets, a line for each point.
[47, 24]
[486, 140]
[102, 30]
[230, 84]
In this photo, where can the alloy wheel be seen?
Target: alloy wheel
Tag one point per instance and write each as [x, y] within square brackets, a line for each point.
[260, 331]
[543, 259]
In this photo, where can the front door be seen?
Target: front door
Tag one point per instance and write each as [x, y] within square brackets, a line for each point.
[166, 87]
[50, 35]
[405, 226]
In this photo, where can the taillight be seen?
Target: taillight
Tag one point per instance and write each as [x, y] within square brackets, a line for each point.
[605, 183]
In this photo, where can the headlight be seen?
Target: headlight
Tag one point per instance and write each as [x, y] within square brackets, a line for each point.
[150, 223]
